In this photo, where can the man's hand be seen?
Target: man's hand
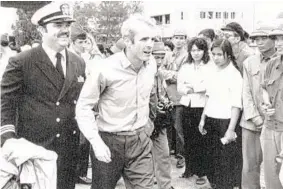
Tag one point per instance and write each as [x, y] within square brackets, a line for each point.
[230, 135]
[258, 121]
[201, 127]
[268, 110]
[101, 151]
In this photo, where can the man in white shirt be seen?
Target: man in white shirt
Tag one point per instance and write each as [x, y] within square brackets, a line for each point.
[113, 110]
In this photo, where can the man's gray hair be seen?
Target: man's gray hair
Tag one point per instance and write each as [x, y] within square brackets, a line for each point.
[134, 23]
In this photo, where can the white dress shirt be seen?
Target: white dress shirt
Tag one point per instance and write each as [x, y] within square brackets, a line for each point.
[119, 94]
[224, 91]
[194, 75]
[52, 56]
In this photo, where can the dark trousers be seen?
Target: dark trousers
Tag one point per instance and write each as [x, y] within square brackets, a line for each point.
[66, 147]
[131, 158]
[83, 154]
[195, 151]
[175, 131]
[223, 158]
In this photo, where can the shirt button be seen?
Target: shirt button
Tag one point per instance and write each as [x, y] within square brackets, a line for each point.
[57, 103]
[58, 135]
[74, 132]
[58, 119]
[75, 102]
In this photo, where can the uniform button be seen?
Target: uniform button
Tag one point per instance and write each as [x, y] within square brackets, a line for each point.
[74, 132]
[75, 102]
[57, 103]
[58, 119]
[58, 135]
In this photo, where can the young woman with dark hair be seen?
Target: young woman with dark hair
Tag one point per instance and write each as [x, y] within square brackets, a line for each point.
[220, 116]
[191, 85]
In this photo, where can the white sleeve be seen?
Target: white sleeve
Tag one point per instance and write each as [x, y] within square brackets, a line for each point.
[88, 99]
[236, 88]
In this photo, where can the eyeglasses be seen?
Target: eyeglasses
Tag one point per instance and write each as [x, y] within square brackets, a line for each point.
[159, 57]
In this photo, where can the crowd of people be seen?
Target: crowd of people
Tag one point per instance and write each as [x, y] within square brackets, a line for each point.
[210, 100]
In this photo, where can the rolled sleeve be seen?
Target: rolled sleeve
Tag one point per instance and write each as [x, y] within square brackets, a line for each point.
[88, 100]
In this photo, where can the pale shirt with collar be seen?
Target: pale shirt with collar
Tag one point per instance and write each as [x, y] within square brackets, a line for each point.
[224, 91]
[119, 94]
[52, 56]
[195, 76]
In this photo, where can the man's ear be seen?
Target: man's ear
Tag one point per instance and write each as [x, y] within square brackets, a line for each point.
[42, 30]
[127, 41]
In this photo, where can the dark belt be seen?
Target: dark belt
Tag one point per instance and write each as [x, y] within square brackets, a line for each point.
[126, 133]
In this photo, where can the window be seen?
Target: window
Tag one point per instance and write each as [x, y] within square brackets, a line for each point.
[225, 15]
[233, 15]
[210, 15]
[158, 19]
[182, 15]
[167, 18]
[218, 15]
[202, 15]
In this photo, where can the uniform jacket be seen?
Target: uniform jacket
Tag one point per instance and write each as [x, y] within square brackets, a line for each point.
[253, 69]
[39, 105]
[34, 102]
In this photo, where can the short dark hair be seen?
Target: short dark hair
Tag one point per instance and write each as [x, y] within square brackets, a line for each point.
[169, 44]
[208, 33]
[237, 28]
[202, 45]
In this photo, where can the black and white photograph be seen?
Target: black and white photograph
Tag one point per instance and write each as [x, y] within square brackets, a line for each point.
[141, 94]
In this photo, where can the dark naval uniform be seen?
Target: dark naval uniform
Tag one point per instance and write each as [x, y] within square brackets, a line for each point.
[38, 104]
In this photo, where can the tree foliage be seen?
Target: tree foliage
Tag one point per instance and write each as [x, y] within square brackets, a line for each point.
[23, 30]
[106, 18]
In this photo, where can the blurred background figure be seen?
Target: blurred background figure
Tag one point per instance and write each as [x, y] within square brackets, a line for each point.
[208, 35]
[169, 46]
[6, 53]
[78, 40]
[160, 149]
[118, 46]
[92, 53]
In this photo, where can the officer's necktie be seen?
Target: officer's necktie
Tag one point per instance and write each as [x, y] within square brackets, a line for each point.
[59, 64]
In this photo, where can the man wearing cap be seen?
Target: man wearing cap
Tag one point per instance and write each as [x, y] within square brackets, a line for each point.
[235, 34]
[78, 40]
[252, 119]
[41, 87]
[119, 128]
[160, 149]
[272, 131]
[168, 71]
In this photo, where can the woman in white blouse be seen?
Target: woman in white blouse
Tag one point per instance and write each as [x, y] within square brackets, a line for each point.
[191, 85]
[221, 114]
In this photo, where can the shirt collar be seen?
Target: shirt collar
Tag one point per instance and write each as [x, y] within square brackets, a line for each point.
[126, 62]
[262, 58]
[51, 53]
